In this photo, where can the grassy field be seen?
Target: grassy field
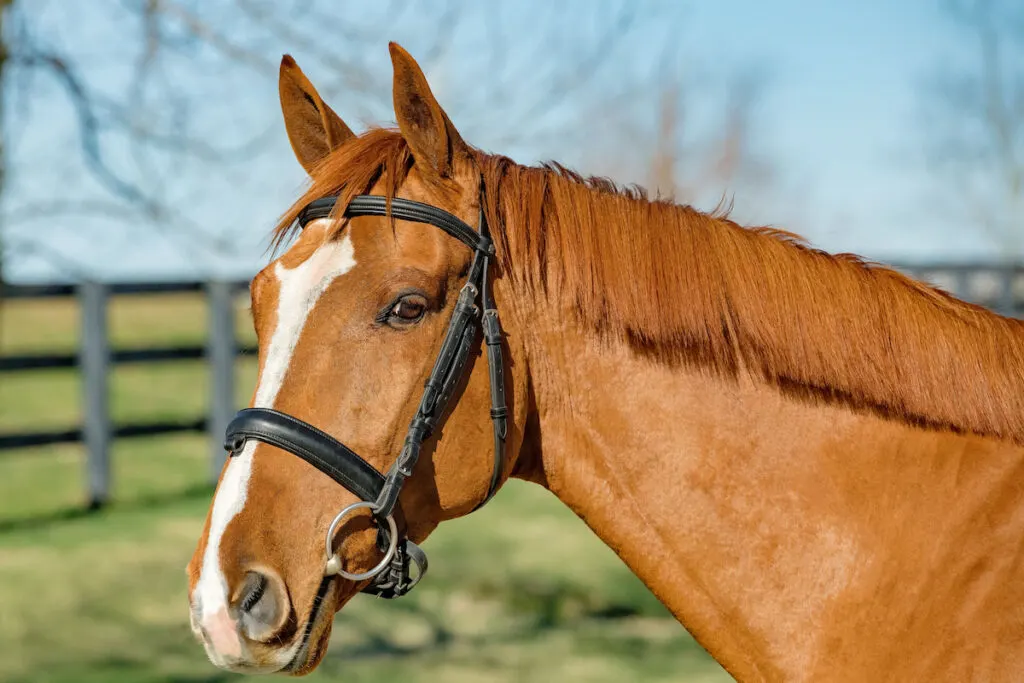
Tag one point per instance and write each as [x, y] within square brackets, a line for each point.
[519, 591]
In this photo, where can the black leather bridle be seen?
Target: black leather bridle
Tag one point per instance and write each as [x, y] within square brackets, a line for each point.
[379, 493]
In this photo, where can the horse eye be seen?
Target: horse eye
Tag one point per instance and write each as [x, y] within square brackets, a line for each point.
[408, 309]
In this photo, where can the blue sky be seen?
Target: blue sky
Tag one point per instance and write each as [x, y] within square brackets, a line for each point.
[839, 120]
[844, 114]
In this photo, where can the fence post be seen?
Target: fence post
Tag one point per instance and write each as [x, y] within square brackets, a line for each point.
[94, 360]
[220, 353]
[961, 284]
[1007, 277]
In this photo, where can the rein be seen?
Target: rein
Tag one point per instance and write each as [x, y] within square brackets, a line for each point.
[377, 492]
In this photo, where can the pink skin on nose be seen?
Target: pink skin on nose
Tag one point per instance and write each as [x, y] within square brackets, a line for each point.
[223, 634]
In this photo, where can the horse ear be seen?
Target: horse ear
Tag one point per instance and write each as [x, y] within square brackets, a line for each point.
[432, 138]
[313, 128]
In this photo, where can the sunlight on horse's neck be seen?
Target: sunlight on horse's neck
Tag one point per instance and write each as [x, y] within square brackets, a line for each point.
[695, 288]
[758, 519]
[800, 535]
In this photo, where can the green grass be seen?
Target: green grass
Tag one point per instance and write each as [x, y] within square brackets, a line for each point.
[519, 591]
[49, 481]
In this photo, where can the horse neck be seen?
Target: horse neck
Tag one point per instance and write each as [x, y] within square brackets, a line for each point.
[773, 527]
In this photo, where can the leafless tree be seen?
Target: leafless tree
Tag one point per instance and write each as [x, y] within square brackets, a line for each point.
[974, 106]
[693, 142]
[696, 167]
[171, 100]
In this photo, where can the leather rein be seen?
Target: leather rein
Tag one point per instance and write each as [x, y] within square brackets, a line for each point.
[391, 577]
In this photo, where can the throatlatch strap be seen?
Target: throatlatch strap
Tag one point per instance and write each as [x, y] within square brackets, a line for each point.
[494, 340]
[499, 410]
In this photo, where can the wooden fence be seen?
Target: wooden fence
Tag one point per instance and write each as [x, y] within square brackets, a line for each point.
[1000, 287]
[997, 286]
[95, 357]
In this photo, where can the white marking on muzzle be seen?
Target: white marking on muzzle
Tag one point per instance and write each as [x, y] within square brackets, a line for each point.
[300, 288]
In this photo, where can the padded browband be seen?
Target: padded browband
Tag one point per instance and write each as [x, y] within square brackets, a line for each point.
[402, 209]
[319, 449]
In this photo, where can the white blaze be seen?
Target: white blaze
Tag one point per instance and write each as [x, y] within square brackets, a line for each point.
[300, 287]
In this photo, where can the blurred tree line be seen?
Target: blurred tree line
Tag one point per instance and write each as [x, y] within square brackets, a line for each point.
[148, 91]
[130, 77]
[973, 135]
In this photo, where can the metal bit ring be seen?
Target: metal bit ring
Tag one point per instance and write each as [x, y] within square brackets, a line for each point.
[333, 565]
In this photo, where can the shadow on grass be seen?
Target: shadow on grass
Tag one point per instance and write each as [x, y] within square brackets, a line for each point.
[72, 513]
[118, 669]
[543, 607]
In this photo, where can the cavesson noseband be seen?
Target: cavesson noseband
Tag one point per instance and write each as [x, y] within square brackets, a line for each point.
[377, 492]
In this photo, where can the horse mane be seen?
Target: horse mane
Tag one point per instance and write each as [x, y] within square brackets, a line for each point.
[684, 286]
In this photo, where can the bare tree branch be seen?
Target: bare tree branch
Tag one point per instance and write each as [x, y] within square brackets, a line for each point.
[159, 132]
[975, 136]
[216, 38]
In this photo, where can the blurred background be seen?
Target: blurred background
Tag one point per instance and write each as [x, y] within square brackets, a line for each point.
[144, 161]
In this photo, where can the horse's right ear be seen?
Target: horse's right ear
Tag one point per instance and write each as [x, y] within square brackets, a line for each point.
[313, 128]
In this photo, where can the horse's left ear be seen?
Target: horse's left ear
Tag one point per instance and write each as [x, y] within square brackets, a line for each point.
[433, 140]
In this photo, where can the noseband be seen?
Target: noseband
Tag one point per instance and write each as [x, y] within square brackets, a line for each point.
[378, 492]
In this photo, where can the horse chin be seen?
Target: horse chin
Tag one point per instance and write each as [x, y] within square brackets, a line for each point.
[312, 652]
[318, 632]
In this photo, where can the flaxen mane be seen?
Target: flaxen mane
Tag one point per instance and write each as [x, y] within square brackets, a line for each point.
[682, 285]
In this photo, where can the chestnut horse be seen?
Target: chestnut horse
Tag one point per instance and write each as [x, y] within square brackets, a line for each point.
[815, 462]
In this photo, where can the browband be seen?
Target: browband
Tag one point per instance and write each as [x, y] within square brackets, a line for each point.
[402, 209]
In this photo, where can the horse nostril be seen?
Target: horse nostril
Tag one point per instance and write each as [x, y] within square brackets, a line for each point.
[253, 590]
[261, 605]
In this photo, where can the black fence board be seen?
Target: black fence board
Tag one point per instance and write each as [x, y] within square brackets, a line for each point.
[156, 428]
[44, 361]
[8, 291]
[157, 354]
[51, 291]
[138, 429]
[39, 361]
[34, 439]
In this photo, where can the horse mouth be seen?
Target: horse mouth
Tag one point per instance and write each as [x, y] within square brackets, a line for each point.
[309, 655]
[312, 646]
